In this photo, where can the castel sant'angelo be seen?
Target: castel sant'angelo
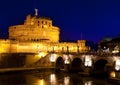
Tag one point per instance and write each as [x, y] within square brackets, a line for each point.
[38, 34]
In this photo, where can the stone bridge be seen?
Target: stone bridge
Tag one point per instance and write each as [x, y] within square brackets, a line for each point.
[80, 62]
[74, 62]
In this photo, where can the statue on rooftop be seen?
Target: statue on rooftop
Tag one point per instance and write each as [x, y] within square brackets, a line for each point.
[36, 12]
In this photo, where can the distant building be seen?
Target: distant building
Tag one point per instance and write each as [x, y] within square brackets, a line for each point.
[110, 45]
[38, 34]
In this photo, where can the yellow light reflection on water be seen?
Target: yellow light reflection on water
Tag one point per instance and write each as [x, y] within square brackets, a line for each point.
[66, 80]
[112, 74]
[88, 83]
[41, 82]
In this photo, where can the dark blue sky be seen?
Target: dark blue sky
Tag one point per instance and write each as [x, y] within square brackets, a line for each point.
[93, 19]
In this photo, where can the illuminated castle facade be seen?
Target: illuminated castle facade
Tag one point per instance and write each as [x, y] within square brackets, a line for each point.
[38, 34]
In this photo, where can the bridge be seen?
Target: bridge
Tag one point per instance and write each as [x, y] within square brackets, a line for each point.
[73, 62]
[79, 62]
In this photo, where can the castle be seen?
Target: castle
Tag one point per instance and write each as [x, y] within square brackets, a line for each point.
[38, 34]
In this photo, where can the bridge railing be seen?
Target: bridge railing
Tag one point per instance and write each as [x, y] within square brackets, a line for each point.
[89, 53]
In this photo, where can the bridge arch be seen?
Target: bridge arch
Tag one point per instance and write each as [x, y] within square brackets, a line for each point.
[99, 66]
[110, 59]
[76, 65]
[59, 63]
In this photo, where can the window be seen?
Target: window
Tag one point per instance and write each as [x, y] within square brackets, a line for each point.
[49, 25]
[46, 22]
[42, 26]
[42, 22]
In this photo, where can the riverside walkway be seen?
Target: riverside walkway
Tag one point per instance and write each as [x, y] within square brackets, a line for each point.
[22, 69]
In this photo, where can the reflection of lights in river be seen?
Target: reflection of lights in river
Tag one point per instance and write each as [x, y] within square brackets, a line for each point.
[112, 74]
[88, 82]
[66, 80]
[52, 79]
[41, 82]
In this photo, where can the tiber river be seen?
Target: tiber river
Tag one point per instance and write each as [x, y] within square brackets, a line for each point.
[50, 78]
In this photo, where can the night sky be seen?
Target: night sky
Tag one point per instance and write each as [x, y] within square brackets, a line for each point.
[78, 19]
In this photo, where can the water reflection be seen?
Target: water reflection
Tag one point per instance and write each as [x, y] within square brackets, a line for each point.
[41, 82]
[88, 82]
[49, 78]
[52, 79]
[66, 80]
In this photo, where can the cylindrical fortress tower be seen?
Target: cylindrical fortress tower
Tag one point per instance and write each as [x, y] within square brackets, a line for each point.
[35, 28]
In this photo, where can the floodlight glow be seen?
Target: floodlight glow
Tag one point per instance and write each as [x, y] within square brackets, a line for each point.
[117, 65]
[53, 57]
[88, 61]
[112, 74]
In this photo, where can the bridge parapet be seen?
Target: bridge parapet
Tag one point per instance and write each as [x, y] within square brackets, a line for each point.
[89, 53]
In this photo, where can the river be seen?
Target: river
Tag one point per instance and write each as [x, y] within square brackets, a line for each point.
[49, 78]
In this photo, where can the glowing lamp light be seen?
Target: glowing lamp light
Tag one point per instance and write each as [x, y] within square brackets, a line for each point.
[115, 51]
[112, 74]
[88, 61]
[67, 61]
[53, 57]
[42, 54]
[117, 65]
